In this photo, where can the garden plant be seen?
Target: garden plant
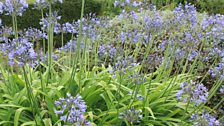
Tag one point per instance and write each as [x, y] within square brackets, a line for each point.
[143, 67]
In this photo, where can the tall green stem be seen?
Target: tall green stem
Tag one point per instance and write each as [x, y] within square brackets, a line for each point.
[42, 15]
[78, 52]
[50, 45]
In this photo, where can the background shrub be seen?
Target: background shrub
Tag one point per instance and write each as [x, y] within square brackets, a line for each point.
[70, 10]
[209, 6]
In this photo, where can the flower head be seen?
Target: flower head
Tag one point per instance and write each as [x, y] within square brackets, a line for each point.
[192, 92]
[41, 4]
[72, 110]
[16, 7]
[131, 115]
[204, 119]
[19, 51]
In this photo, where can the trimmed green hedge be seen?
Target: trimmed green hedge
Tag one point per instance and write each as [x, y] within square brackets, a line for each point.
[70, 10]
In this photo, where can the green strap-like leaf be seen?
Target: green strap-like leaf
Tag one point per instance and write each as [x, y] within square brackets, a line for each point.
[17, 115]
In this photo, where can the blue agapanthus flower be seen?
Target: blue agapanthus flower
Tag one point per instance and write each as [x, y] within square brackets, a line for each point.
[19, 51]
[131, 115]
[192, 92]
[204, 119]
[72, 110]
[15, 7]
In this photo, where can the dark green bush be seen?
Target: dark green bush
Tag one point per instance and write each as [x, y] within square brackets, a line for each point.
[70, 10]
[209, 6]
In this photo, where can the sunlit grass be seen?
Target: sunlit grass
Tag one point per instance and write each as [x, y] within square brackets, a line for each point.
[30, 1]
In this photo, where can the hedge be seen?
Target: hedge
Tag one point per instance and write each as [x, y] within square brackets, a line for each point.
[70, 10]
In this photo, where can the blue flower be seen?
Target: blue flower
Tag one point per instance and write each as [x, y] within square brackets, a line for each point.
[204, 119]
[131, 115]
[72, 110]
[41, 4]
[122, 36]
[192, 92]
[67, 27]
[127, 2]
[16, 7]
[19, 51]
[34, 34]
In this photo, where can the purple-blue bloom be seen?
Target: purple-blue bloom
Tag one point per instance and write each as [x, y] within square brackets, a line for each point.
[192, 92]
[51, 20]
[67, 27]
[72, 110]
[131, 115]
[204, 119]
[15, 7]
[19, 51]
[41, 4]
[34, 34]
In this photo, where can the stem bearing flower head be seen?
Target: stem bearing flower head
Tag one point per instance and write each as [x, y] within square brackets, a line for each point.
[50, 20]
[217, 71]
[72, 110]
[131, 115]
[5, 33]
[68, 28]
[105, 50]
[19, 51]
[34, 34]
[41, 4]
[15, 7]
[72, 46]
[192, 92]
[204, 119]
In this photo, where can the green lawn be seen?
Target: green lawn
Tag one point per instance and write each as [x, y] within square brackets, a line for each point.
[30, 1]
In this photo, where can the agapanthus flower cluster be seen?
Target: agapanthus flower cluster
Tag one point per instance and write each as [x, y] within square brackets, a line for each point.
[107, 50]
[15, 7]
[192, 92]
[65, 28]
[41, 4]
[5, 33]
[51, 19]
[122, 66]
[34, 34]
[204, 119]
[72, 46]
[68, 28]
[19, 51]
[185, 15]
[44, 57]
[119, 3]
[91, 26]
[217, 71]
[131, 115]
[72, 110]
[138, 78]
